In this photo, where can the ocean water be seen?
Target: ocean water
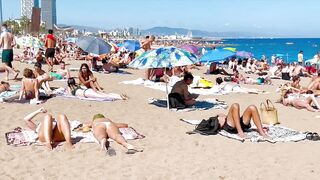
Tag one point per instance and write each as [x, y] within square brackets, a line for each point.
[289, 47]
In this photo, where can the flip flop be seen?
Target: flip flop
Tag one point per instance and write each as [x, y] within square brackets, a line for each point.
[309, 136]
[315, 137]
[133, 151]
[111, 152]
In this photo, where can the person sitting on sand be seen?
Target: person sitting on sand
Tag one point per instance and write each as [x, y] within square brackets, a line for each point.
[275, 71]
[214, 69]
[42, 77]
[4, 86]
[29, 86]
[61, 73]
[236, 124]
[300, 71]
[87, 79]
[296, 85]
[104, 128]
[180, 91]
[76, 90]
[50, 130]
[315, 83]
[109, 67]
[287, 98]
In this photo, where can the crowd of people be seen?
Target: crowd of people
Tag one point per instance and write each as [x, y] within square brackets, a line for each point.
[58, 51]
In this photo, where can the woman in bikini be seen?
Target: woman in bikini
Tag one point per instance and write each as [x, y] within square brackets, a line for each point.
[287, 98]
[87, 79]
[236, 124]
[29, 86]
[51, 130]
[104, 128]
[76, 90]
[42, 77]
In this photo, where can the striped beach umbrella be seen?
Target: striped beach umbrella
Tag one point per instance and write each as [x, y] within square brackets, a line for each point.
[29, 41]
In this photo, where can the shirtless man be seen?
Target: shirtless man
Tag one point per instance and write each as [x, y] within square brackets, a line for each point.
[180, 91]
[50, 44]
[61, 73]
[7, 42]
[299, 71]
[146, 46]
[29, 86]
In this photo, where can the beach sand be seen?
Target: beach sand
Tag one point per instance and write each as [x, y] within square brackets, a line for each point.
[169, 153]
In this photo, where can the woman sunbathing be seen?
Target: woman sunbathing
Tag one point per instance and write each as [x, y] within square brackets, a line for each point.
[87, 79]
[76, 90]
[51, 130]
[29, 86]
[4, 86]
[236, 124]
[287, 98]
[42, 77]
[104, 128]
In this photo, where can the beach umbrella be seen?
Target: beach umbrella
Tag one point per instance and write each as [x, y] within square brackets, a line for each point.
[244, 54]
[162, 58]
[114, 47]
[191, 48]
[93, 45]
[29, 41]
[216, 55]
[131, 45]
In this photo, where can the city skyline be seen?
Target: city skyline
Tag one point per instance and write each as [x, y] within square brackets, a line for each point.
[283, 18]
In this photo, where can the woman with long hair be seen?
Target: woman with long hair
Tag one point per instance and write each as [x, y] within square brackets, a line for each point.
[87, 79]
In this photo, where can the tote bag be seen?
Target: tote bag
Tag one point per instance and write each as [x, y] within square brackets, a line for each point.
[269, 113]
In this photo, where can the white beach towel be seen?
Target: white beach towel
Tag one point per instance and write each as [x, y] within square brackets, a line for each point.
[276, 133]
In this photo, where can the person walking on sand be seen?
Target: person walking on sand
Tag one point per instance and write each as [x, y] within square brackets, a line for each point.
[300, 58]
[7, 42]
[50, 44]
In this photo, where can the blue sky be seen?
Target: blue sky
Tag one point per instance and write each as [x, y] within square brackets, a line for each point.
[281, 17]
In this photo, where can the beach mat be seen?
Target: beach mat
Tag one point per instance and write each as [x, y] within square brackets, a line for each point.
[200, 105]
[61, 92]
[276, 133]
[25, 137]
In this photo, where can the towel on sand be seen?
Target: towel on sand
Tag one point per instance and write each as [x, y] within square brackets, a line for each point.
[276, 133]
[215, 90]
[61, 92]
[24, 137]
[200, 104]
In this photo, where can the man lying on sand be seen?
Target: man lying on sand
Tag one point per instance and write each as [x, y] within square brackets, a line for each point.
[50, 130]
[61, 73]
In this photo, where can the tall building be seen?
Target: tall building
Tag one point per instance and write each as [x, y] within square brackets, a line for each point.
[1, 20]
[49, 13]
[26, 7]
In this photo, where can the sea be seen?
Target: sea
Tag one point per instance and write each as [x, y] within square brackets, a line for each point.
[288, 47]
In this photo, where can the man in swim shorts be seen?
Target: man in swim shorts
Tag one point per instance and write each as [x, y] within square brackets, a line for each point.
[50, 44]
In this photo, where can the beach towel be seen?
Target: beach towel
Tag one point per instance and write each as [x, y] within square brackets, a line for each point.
[215, 90]
[7, 95]
[61, 92]
[24, 137]
[276, 133]
[205, 104]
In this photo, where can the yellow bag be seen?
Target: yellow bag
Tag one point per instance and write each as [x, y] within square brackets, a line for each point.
[205, 83]
[269, 114]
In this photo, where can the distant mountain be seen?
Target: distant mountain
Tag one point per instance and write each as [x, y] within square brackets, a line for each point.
[163, 31]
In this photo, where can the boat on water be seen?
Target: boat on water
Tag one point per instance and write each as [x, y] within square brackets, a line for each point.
[289, 43]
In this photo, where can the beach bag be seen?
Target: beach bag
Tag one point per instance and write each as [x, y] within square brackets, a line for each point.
[208, 127]
[269, 114]
[285, 76]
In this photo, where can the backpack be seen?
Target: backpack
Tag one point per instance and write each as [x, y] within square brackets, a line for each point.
[208, 127]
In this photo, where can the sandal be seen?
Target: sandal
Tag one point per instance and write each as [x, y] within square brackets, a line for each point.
[309, 136]
[133, 151]
[315, 137]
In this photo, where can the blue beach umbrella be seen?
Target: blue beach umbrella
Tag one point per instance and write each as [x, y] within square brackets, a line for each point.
[93, 45]
[131, 45]
[216, 55]
[162, 58]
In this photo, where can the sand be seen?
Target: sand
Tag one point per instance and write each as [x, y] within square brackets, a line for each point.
[169, 153]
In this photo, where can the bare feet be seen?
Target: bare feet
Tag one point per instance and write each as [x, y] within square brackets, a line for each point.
[124, 96]
[48, 145]
[103, 144]
[69, 145]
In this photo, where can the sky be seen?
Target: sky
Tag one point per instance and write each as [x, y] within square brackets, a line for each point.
[280, 17]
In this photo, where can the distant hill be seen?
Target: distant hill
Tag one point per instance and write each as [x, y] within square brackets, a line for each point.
[163, 31]
[198, 33]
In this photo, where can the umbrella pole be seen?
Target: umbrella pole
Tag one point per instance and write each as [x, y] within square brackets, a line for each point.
[167, 93]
